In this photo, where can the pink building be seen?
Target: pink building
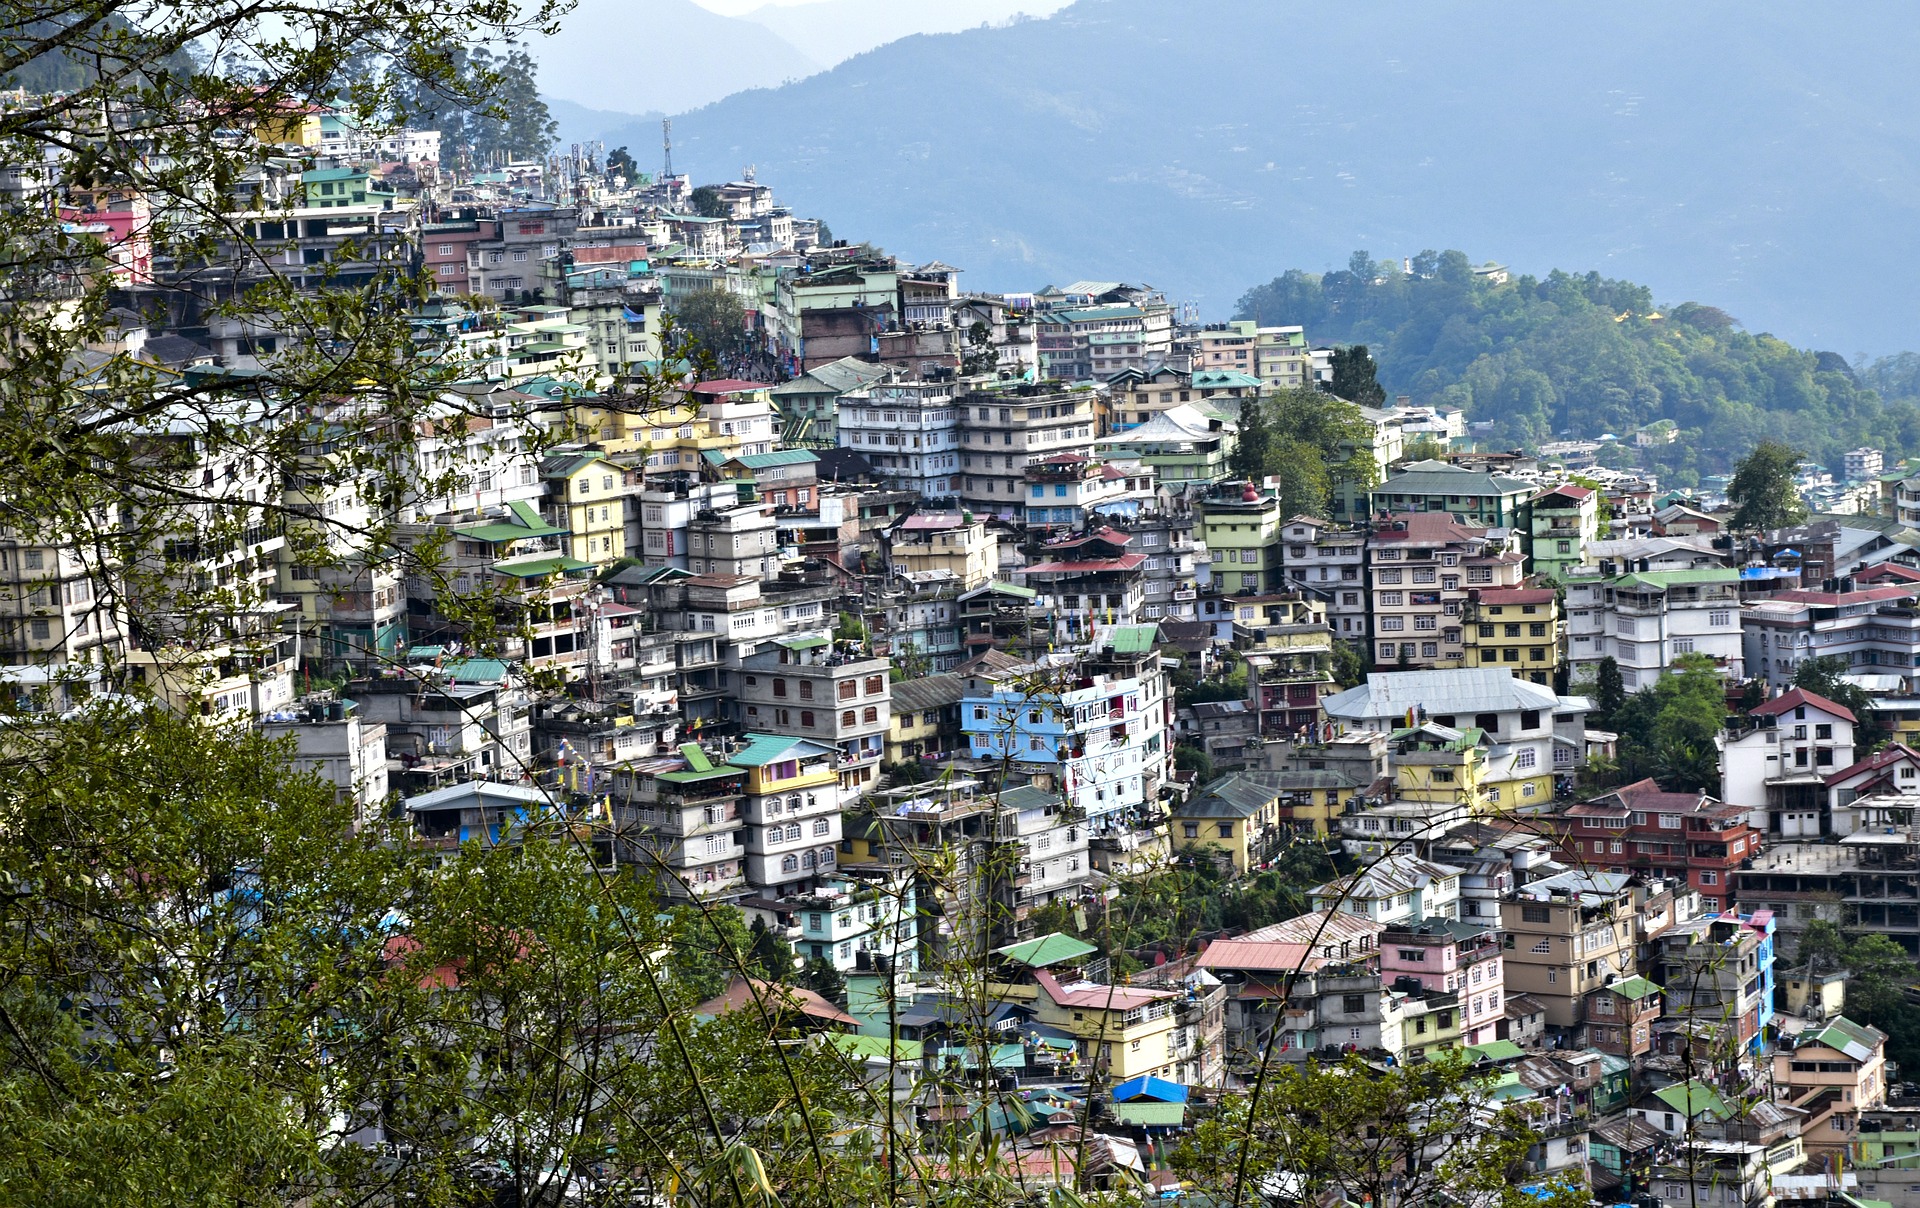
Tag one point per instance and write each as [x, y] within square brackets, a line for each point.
[1448, 955]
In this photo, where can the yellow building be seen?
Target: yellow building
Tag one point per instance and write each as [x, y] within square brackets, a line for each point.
[1517, 628]
[1429, 1025]
[1439, 766]
[1250, 816]
[290, 124]
[587, 495]
[1123, 1031]
[956, 543]
[1834, 1075]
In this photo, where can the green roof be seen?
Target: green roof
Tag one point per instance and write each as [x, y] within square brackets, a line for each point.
[762, 749]
[476, 671]
[1134, 639]
[319, 174]
[1634, 987]
[854, 1045]
[779, 457]
[1235, 795]
[695, 757]
[810, 642]
[1223, 379]
[540, 566]
[1496, 1051]
[1693, 1099]
[525, 523]
[1660, 579]
[545, 346]
[1148, 1114]
[1048, 950]
[1440, 478]
[1845, 1036]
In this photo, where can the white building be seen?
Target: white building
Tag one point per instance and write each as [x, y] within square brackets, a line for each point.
[854, 924]
[1518, 715]
[908, 431]
[1875, 629]
[1328, 561]
[1778, 768]
[1647, 619]
[1397, 889]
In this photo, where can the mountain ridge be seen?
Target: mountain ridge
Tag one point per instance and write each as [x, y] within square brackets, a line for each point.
[1267, 137]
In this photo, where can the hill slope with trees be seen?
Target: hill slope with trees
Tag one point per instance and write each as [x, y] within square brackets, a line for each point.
[1587, 355]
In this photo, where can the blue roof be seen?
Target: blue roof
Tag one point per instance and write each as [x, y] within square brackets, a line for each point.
[1146, 1086]
[762, 749]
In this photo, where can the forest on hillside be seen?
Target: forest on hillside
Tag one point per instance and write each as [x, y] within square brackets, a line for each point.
[1566, 355]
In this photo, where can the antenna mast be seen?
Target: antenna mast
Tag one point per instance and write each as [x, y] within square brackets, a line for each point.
[666, 140]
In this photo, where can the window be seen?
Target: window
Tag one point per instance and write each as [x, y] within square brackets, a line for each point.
[1709, 877]
[1525, 759]
[876, 684]
[1535, 914]
[1389, 576]
[846, 718]
[821, 826]
[870, 714]
[1353, 1004]
[779, 687]
[806, 718]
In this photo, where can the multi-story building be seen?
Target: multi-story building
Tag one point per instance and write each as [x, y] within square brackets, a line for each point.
[1833, 1075]
[955, 546]
[1239, 523]
[1093, 725]
[330, 739]
[1068, 490]
[1620, 1017]
[1472, 497]
[1289, 663]
[1863, 464]
[678, 817]
[55, 610]
[1774, 762]
[1423, 565]
[1514, 627]
[1329, 561]
[857, 922]
[1186, 445]
[1518, 716]
[734, 538]
[1454, 957]
[1092, 330]
[1689, 837]
[809, 405]
[909, 432]
[1565, 521]
[830, 692]
[790, 805]
[1004, 429]
[1087, 581]
[1875, 629]
[1284, 360]
[1710, 971]
[586, 495]
[1394, 889]
[1121, 1031]
[1647, 619]
[1567, 935]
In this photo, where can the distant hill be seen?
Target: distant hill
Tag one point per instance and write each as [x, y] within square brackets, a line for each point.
[579, 124]
[636, 56]
[832, 31]
[1754, 153]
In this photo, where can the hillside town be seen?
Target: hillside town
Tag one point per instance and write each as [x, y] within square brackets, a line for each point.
[924, 624]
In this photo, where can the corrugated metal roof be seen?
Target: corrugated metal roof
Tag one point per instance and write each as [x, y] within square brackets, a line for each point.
[1389, 694]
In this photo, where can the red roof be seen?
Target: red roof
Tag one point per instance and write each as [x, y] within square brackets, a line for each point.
[1424, 526]
[1873, 763]
[1887, 570]
[1515, 595]
[1123, 562]
[747, 992]
[1265, 956]
[729, 386]
[1110, 536]
[1089, 995]
[1569, 490]
[1795, 697]
[1865, 595]
[1648, 797]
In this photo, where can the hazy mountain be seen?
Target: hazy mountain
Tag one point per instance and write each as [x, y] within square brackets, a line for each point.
[1755, 154]
[834, 30]
[636, 56]
[579, 124]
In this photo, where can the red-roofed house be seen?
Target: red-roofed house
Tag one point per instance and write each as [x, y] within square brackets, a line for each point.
[1087, 580]
[1642, 828]
[1895, 769]
[1776, 762]
[1125, 1030]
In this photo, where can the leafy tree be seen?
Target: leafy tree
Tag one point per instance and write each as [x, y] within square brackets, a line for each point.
[1195, 760]
[1355, 377]
[1822, 947]
[1762, 490]
[1424, 448]
[1410, 1134]
[1312, 444]
[1349, 664]
[706, 202]
[620, 163]
[1254, 447]
[516, 124]
[1667, 730]
[1534, 356]
[1609, 691]
[823, 979]
[980, 355]
[715, 321]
